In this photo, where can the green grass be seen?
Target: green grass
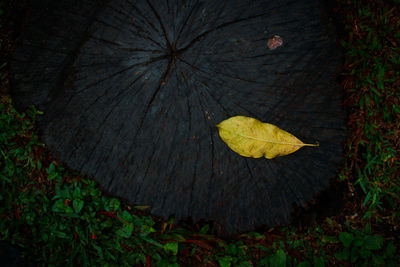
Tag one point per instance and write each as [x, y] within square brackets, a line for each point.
[374, 66]
[61, 218]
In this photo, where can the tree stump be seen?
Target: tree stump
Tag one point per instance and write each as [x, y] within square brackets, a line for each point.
[132, 90]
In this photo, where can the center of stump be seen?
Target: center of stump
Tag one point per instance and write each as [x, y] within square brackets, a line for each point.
[173, 53]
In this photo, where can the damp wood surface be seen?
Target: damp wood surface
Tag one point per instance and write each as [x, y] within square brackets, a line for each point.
[132, 92]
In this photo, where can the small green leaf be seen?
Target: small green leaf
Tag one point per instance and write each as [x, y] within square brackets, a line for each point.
[59, 206]
[373, 242]
[205, 229]
[61, 234]
[51, 169]
[378, 260]
[225, 261]
[264, 261]
[39, 165]
[358, 242]
[390, 250]
[231, 249]
[346, 238]
[304, 264]
[78, 205]
[368, 228]
[52, 176]
[126, 216]
[99, 251]
[365, 253]
[328, 220]
[279, 259]
[77, 193]
[126, 231]
[354, 255]
[262, 248]
[343, 255]
[319, 262]
[171, 247]
[68, 209]
[244, 264]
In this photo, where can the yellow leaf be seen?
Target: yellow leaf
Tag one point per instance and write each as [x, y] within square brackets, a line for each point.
[252, 138]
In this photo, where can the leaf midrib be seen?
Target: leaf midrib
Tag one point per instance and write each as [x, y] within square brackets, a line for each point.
[268, 141]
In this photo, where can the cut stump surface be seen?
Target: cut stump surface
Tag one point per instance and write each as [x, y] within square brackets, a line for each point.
[132, 90]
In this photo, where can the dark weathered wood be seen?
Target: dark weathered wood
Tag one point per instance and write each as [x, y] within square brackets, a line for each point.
[132, 91]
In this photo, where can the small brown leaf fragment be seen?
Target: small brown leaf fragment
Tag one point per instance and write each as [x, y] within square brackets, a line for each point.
[274, 42]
